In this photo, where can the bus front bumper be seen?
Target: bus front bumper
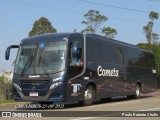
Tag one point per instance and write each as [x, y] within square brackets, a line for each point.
[37, 95]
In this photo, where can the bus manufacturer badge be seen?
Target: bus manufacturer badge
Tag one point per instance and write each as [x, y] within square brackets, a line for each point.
[34, 76]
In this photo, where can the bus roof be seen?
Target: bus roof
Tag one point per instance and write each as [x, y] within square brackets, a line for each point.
[61, 36]
[46, 37]
[118, 42]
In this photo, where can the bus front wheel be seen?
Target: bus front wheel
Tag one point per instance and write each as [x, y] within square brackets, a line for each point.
[88, 97]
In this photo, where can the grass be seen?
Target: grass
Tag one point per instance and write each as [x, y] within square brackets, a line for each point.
[2, 101]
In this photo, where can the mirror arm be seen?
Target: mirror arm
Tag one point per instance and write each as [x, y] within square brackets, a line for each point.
[8, 51]
[13, 46]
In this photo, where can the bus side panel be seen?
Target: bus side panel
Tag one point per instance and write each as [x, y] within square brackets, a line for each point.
[134, 65]
[104, 54]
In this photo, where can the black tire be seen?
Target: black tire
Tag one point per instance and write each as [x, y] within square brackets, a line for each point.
[88, 97]
[137, 93]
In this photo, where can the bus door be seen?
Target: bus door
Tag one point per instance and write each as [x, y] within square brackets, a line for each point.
[75, 67]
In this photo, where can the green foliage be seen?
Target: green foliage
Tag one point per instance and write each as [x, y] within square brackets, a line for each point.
[4, 83]
[1, 83]
[93, 21]
[89, 29]
[109, 32]
[148, 29]
[2, 101]
[5, 86]
[153, 15]
[152, 39]
[41, 26]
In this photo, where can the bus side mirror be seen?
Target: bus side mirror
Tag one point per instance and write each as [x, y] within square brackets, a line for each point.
[74, 50]
[7, 53]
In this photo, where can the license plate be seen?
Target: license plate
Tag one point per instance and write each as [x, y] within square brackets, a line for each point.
[33, 94]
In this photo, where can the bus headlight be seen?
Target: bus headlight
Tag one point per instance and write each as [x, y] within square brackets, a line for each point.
[17, 86]
[57, 79]
[55, 85]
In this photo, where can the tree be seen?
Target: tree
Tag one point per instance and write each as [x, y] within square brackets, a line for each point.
[41, 26]
[153, 15]
[152, 39]
[148, 29]
[5, 84]
[93, 21]
[109, 32]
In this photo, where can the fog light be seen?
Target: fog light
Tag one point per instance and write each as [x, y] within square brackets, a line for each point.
[17, 86]
[55, 85]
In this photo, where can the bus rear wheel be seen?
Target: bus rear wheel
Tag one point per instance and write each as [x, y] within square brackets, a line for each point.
[89, 96]
[137, 92]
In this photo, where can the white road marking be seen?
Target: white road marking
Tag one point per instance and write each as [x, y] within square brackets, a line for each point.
[124, 102]
[114, 114]
[150, 109]
[118, 103]
[83, 118]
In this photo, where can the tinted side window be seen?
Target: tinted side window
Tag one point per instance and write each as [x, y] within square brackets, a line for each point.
[140, 58]
[92, 50]
[147, 60]
[99, 50]
[110, 53]
[133, 57]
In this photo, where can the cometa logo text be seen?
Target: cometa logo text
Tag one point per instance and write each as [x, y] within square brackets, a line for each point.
[107, 72]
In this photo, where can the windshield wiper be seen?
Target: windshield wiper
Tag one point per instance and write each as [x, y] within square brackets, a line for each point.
[44, 64]
[29, 61]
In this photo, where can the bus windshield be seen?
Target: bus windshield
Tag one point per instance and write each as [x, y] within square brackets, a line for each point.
[42, 58]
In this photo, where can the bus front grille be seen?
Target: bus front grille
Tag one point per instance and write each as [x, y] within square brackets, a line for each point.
[34, 82]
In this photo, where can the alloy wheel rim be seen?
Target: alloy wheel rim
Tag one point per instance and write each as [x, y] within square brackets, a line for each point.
[88, 95]
[137, 91]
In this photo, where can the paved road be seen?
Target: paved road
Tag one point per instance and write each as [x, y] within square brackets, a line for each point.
[149, 102]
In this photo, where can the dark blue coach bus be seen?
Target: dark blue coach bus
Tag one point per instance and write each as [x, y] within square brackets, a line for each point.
[75, 67]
